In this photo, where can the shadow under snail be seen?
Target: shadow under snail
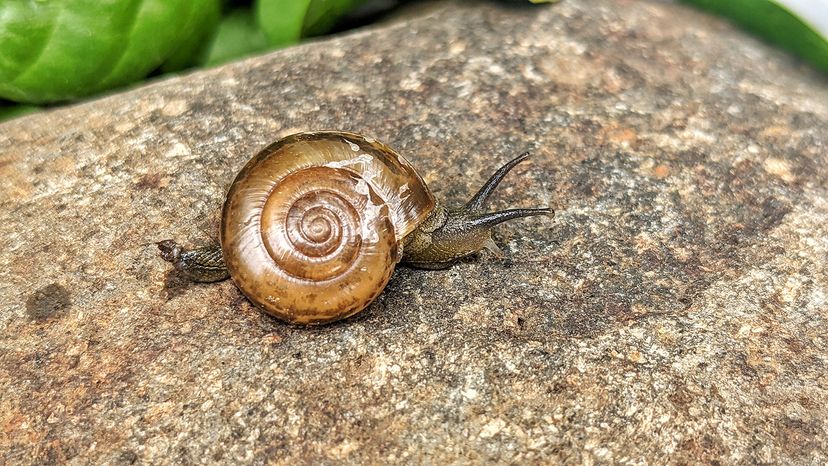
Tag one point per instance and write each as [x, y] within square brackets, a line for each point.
[313, 225]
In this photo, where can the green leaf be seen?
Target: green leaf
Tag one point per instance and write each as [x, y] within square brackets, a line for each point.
[323, 14]
[238, 35]
[281, 20]
[776, 24]
[286, 21]
[9, 110]
[204, 24]
[58, 50]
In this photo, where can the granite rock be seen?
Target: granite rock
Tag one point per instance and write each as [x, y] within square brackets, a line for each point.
[673, 311]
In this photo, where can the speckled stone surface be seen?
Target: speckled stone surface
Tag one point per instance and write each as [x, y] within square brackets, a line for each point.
[673, 311]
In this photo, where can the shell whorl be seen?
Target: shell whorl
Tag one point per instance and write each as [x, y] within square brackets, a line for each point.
[312, 225]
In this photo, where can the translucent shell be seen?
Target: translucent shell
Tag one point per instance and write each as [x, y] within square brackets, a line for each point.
[312, 226]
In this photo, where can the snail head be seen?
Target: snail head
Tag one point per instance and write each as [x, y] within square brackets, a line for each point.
[447, 235]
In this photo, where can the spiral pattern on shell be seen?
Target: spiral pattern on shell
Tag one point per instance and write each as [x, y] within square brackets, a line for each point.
[311, 227]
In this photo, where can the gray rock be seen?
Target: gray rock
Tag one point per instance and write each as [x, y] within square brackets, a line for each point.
[673, 311]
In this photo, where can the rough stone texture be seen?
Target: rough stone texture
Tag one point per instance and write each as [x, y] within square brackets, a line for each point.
[673, 311]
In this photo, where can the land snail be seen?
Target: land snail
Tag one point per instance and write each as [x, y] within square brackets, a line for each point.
[314, 224]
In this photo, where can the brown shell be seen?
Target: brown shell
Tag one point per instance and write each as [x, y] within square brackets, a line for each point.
[312, 225]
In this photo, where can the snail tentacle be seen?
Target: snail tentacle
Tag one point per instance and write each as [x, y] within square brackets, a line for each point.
[495, 218]
[479, 199]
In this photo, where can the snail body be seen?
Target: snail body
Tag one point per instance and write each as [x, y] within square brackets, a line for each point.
[314, 225]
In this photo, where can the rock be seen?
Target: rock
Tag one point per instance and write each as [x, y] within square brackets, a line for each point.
[673, 311]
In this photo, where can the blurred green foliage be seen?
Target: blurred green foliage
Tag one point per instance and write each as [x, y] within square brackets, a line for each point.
[10, 110]
[61, 50]
[237, 35]
[776, 24]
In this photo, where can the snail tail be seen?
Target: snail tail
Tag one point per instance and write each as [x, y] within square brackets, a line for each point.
[199, 265]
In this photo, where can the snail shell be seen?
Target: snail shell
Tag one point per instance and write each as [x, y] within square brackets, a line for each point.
[312, 226]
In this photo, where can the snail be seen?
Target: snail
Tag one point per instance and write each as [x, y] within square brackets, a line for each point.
[314, 224]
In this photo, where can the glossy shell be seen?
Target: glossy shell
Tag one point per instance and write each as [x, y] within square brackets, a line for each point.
[312, 226]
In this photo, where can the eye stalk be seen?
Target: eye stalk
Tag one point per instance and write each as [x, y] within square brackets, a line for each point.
[448, 235]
